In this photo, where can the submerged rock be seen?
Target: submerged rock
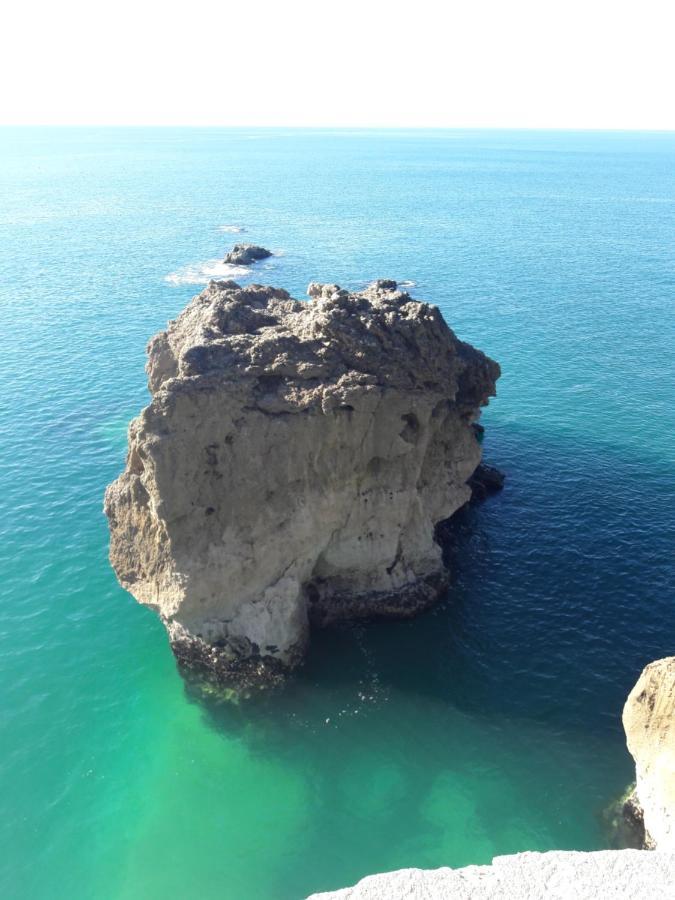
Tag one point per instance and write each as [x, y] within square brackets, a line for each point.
[649, 722]
[634, 822]
[556, 875]
[623, 822]
[486, 480]
[245, 254]
[291, 467]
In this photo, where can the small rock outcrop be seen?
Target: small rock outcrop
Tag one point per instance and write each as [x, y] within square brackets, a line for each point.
[486, 480]
[649, 722]
[245, 254]
[291, 467]
[556, 875]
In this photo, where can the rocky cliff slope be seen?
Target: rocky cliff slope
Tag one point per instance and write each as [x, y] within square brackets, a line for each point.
[649, 722]
[291, 468]
[557, 875]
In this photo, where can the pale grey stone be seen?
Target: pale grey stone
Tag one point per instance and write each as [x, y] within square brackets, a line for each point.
[558, 875]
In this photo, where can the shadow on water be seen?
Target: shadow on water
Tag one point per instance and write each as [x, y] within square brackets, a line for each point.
[490, 724]
[560, 594]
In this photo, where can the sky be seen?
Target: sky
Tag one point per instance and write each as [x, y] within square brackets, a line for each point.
[352, 63]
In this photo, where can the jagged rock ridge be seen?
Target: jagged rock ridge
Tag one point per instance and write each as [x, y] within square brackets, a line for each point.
[291, 467]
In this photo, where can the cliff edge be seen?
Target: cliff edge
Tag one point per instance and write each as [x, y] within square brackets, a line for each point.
[556, 875]
[649, 722]
[291, 467]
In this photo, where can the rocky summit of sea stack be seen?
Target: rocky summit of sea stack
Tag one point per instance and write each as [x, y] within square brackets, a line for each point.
[291, 467]
[245, 254]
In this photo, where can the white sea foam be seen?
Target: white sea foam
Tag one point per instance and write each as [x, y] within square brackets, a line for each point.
[202, 273]
[402, 285]
[232, 229]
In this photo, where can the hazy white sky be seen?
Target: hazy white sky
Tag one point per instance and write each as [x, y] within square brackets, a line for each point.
[515, 63]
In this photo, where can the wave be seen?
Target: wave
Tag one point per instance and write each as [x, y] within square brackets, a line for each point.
[232, 229]
[401, 285]
[202, 273]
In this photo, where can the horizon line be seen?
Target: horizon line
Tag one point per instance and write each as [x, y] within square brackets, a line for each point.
[296, 127]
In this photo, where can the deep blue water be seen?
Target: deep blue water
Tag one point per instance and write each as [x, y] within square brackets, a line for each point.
[491, 724]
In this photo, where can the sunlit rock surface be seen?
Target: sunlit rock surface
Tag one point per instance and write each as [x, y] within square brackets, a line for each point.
[291, 468]
[558, 875]
[649, 721]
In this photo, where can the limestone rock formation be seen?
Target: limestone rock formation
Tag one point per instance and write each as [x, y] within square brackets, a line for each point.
[245, 254]
[291, 467]
[649, 722]
[557, 875]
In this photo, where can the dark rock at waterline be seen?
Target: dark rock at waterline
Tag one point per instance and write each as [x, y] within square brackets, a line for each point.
[634, 823]
[245, 254]
[227, 676]
[446, 531]
[404, 603]
[486, 480]
[623, 822]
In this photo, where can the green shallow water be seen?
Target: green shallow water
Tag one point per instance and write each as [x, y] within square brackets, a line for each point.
[487, 726]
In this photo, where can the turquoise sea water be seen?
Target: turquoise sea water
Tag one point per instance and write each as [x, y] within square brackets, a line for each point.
[491, 724]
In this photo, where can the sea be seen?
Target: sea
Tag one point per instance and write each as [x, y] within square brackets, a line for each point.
[489, 725]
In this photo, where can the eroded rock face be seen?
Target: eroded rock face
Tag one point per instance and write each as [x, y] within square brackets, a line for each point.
[245, 254]
[291, 467]
[649, 722]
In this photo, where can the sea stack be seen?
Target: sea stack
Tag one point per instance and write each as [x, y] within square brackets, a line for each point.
[649, 722]
[245, 254]
[291, 467]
